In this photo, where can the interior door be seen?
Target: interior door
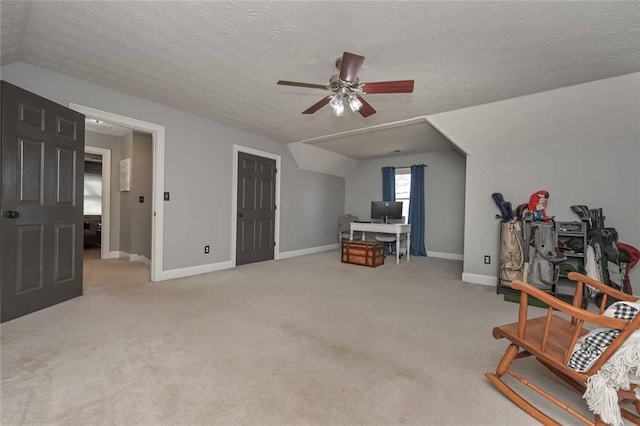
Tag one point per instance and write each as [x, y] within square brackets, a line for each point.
[255, 236]
[41, 231]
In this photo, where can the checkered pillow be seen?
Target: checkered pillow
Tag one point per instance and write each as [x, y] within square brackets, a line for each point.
[590, 346]
[622, 310]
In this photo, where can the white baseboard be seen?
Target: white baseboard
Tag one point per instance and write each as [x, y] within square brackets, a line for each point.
[480, 279]
[194, 270]
[117, 255]
[443, 255]
[129, 257]
[304, 252]
[139, 258]
[212, 267]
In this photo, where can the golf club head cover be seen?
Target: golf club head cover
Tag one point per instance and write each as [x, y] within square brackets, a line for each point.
[538, 204]
[499, 199]
[507, 210]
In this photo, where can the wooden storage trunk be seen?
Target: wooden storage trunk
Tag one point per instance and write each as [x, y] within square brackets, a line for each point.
[368, 253]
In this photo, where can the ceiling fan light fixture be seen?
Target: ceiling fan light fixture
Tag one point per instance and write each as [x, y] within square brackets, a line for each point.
[337, 104]
[354, 103]
[346, 88]
[338, 110]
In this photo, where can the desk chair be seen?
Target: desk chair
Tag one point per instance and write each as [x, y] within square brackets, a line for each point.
[344, 227]
[388, 239]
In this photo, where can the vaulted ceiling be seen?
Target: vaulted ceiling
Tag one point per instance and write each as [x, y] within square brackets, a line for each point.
[221, 59]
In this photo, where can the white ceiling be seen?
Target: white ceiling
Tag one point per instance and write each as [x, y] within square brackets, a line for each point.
[221, 59]
[400, 138]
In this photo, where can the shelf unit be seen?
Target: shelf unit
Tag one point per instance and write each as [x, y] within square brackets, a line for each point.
[573, 234]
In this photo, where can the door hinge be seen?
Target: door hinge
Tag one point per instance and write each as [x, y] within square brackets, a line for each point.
[154, 214]
[276, 170]
[274, 243]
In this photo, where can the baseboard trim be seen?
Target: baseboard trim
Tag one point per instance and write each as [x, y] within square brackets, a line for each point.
[213, 267]
[117, 255]
[194, 270]
[129, 257]
[480, 279]
[139, 258]
[443, 255]
[304, 252]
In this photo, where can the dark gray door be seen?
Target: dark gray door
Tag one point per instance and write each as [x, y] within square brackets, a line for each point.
[41, 203]
[255, 237]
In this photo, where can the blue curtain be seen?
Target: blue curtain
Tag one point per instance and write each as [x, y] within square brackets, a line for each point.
[416, 211]
[389, 192]
[388, 184]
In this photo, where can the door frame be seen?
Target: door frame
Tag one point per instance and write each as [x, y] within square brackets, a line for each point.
[234, 198]
[105, 234]
[157, 140]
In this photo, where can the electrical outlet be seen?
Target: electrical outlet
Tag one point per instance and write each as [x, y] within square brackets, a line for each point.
[142, 199]
[487, 259]
[166, 196]
[206, 249]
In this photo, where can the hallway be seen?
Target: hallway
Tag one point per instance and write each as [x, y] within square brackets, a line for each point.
[100, 273]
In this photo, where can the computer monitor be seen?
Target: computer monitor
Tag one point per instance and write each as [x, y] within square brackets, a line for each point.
[386, 210]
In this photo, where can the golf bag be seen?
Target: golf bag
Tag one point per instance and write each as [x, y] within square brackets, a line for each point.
[544, 255]
[607, 257]
[603, 261]
[511, 252]
[629, 256]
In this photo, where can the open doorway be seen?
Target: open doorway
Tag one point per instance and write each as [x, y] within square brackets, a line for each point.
[97, 201]
[155, 134]
[117, 206]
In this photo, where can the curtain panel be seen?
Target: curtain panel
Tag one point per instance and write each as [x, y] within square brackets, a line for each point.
[388, 184]
[416, 211]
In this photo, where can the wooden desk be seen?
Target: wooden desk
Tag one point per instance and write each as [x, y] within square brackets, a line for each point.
[385, 228]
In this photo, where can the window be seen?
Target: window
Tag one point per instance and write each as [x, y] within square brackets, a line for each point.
[92, 195]
[403, 189]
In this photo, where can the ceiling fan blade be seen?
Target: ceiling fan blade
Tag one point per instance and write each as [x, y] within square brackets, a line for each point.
[350, 65]
[398, 86]
[366, 109]
[298, 84]
[313, 108]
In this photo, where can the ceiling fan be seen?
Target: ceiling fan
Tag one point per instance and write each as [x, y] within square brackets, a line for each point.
[346, 87]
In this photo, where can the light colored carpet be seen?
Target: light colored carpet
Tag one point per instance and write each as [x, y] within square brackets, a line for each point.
[302, 341]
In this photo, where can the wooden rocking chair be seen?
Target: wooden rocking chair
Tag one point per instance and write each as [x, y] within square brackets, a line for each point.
[551, 339]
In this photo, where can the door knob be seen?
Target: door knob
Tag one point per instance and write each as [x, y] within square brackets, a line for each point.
[11, 214]
[240, 215]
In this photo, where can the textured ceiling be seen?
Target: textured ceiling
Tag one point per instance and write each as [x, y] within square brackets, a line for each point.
[221, 60]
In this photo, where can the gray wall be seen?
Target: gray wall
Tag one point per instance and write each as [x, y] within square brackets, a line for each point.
[598, 174]
[113, 143]
[141, 185]
[198, 167]
[321, 198]
[444, 195]
[125, 200]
